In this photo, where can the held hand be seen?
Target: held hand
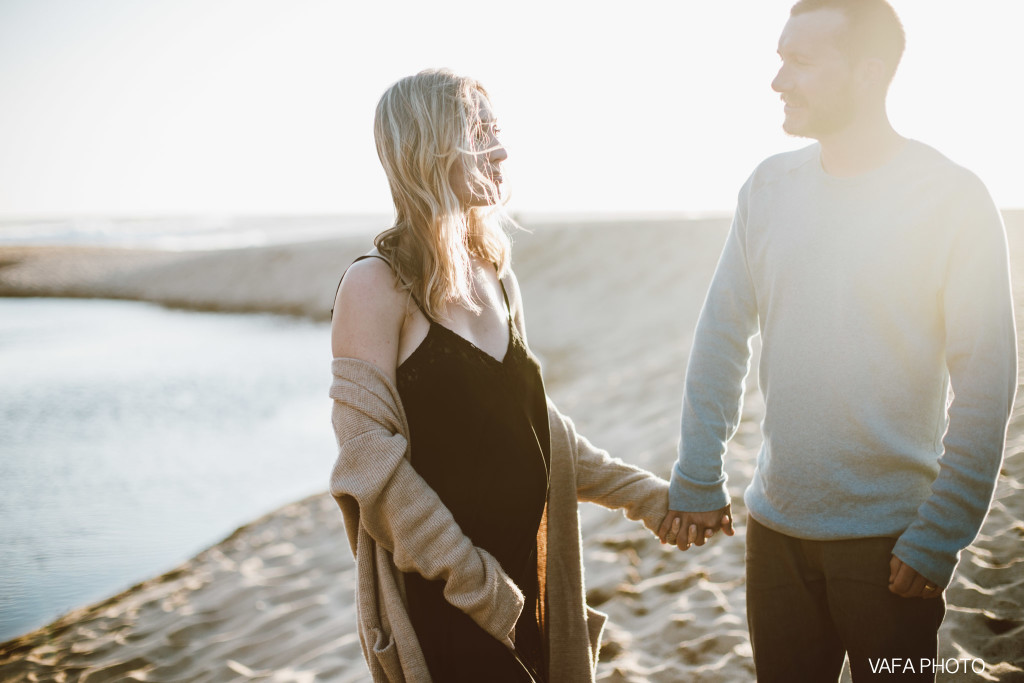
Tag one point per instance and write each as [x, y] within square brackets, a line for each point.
[906, 582]
[684, 529]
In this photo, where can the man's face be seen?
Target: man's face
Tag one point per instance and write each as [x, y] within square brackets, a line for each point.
[816, 78]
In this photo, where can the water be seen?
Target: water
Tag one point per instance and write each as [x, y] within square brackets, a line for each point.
[133, 436]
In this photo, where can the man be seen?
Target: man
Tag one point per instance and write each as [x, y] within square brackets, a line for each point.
[876, 272]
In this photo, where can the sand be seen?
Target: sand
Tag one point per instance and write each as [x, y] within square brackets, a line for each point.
[610, 310]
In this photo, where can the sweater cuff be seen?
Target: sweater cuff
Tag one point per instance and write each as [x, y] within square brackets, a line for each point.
[651, 510]
[687, 495]
[915, 549]
[509, 606]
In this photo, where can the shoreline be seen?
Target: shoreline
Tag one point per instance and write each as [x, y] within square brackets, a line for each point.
[610, 311]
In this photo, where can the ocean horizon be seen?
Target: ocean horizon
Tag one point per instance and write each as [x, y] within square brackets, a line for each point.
[185, 232]
[214, 232]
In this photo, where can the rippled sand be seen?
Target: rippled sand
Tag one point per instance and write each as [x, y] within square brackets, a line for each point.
[610, 309]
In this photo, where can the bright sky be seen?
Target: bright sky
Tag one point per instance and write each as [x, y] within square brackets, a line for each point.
[266, 106]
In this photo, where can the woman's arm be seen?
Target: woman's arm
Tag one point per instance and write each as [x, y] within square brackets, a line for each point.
[610, 482]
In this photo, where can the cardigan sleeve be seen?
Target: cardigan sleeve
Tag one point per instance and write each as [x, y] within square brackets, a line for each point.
[612, 483]
[402, 512]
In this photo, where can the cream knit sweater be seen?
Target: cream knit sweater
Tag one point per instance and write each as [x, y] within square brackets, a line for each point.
[396, 523]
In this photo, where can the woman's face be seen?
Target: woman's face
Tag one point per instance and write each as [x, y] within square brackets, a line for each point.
[487, 158]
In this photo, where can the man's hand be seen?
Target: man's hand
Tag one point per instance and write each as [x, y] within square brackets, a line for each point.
[684, 529]
[906, 582]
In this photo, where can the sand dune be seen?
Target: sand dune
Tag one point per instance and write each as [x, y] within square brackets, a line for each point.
[610, 310]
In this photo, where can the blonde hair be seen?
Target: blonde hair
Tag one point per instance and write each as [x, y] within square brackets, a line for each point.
[424, 125]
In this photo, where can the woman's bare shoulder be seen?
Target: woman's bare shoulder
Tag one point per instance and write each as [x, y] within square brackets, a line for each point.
[369, 278]
[368, 313]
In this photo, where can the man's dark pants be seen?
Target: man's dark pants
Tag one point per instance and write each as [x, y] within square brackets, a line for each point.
[809, 602]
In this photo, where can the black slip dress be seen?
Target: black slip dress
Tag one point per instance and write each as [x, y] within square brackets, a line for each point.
[479, 436]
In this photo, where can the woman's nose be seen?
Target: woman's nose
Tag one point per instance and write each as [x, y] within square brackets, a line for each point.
[498, 153]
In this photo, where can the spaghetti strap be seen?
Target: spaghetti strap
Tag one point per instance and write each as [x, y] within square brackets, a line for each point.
[363, 258]
[508, 306]
[366, 256]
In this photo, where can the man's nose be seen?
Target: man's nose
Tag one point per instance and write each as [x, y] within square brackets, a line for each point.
[781, 82]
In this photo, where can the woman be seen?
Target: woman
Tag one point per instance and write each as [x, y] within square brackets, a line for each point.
[458, 479]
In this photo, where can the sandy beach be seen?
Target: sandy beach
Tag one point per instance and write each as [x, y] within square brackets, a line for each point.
[274, 601]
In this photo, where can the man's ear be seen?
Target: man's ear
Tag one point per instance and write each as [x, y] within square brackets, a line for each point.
[872, 74]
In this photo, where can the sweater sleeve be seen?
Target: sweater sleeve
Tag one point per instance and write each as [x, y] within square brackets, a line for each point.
[981, 355]
[612, 483]
[405, 515]
[713, 389]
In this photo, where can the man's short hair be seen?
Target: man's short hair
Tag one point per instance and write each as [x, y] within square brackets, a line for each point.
[873, 29]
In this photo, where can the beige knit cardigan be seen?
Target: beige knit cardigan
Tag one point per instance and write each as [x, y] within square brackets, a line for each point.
[396, 523]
